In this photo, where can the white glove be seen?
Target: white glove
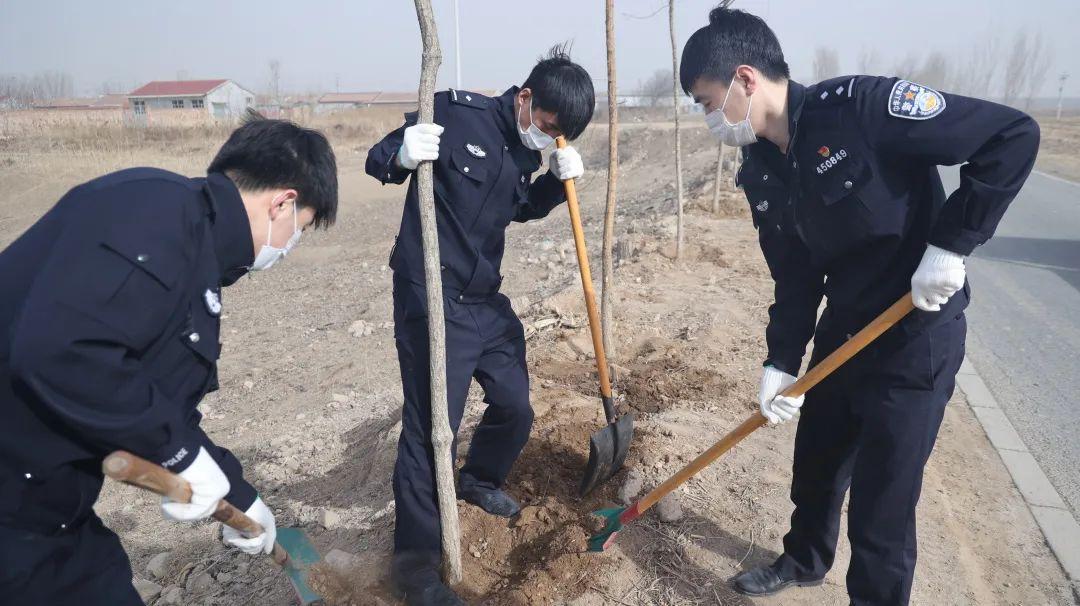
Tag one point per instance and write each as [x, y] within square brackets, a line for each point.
[775, 408]
[566, 164]
[940, 274]
[421, 143]
[208, 486]
[264, 543]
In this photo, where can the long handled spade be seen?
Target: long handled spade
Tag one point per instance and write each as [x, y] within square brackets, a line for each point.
[607, 447]
[293, 550]
[616, 518]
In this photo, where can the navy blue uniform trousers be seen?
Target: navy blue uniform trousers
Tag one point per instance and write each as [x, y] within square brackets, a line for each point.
[870, 427]
[485, 341]
[84, 566]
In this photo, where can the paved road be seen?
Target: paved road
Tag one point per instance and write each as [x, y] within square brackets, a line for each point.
[1024, 335]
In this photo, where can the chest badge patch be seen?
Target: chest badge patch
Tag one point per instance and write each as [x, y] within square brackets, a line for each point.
[915, 101]
[762, 206]
[213, 302]
[831, 158]
[476, 150]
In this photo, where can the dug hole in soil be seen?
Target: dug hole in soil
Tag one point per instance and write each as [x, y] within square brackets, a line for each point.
[540, 556]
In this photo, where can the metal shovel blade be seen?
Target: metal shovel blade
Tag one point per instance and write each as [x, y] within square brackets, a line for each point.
[302, 556]
[607, 453]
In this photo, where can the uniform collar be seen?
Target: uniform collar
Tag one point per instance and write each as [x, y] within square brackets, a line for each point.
[526, 159]
[796, 95]
[231, 228]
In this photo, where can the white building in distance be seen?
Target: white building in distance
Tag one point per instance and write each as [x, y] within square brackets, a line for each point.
[218, 98]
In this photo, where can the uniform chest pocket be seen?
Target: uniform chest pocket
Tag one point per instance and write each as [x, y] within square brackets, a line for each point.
[835, 212]
[472, 169]
[766, 195]
[201, 333]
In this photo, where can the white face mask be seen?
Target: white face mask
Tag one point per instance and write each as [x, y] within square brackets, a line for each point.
[733, 135]
[534, 138]
[269, 255]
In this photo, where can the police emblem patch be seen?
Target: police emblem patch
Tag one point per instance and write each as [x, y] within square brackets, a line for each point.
[476, 150]
[213, 302]
[914, 101]
[823, 151]
[763, 206]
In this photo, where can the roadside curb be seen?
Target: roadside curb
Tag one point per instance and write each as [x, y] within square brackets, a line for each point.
[1059, 527]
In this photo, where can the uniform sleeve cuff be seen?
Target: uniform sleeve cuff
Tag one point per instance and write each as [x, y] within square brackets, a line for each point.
[962, 243]
[788, 365]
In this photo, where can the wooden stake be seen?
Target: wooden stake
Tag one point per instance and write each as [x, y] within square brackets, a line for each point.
[607, 295]
[678, 130]
[441, 436]
[719, 179]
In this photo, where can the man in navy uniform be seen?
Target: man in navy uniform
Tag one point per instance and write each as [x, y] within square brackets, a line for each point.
[843, 184]
[485, 151]
[110, 312]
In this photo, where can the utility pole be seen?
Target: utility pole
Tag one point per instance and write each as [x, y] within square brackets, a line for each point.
[1061, 92]
[457, 47]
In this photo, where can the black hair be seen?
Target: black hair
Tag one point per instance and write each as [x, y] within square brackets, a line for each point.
[732, 38]
[564, 88]
[264, 154]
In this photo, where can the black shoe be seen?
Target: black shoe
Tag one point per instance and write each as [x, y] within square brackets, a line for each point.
[494, 501]
[423, 587]
[764, 581]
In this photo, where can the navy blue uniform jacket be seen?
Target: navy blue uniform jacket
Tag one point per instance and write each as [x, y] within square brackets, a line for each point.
[482, 183]
[857, 198]
[109, 322]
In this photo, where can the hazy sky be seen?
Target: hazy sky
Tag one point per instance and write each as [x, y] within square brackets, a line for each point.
[375, 44]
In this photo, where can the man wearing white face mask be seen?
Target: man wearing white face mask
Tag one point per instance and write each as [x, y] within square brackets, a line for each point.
[110, 309]
[485, 151]
[842, 182]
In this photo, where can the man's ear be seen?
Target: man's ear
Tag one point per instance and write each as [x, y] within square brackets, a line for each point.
[748, 76]
[283, 202]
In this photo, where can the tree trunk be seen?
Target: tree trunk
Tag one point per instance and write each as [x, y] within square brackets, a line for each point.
[441, 436]
[606, 297]
[678, 130]
[719, 179]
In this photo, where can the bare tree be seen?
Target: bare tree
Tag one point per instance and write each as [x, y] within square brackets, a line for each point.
[869, 60]
[275, 81]
[934, 72]
[826, 63]
[907, 67]
[719, 179]
[980, 67]
[656, 87]
[607, 295]
[1025, 69]
[1041, 54]
[442, 437]
[678, 131]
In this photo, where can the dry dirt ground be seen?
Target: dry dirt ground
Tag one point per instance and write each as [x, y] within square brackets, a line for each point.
[1058, 151]
[310, 403]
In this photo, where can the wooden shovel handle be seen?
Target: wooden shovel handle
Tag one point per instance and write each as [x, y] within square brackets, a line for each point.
[845, 352]
[137, 471]
[587, 286]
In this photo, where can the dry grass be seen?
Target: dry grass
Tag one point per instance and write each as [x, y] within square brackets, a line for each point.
[42, 141]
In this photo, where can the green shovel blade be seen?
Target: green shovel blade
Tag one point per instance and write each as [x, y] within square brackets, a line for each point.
[302, 556]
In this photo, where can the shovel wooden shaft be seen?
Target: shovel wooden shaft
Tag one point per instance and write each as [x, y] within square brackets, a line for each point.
[590, 294]
[131, 469]
[845, 352]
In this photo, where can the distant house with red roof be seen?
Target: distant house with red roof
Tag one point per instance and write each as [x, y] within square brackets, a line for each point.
[218, 98]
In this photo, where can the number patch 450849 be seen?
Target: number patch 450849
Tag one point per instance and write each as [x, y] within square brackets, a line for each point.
[831, 161]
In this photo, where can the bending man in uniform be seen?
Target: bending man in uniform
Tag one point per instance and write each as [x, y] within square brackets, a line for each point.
[485, 151]
[110, 310]
[843, 184]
